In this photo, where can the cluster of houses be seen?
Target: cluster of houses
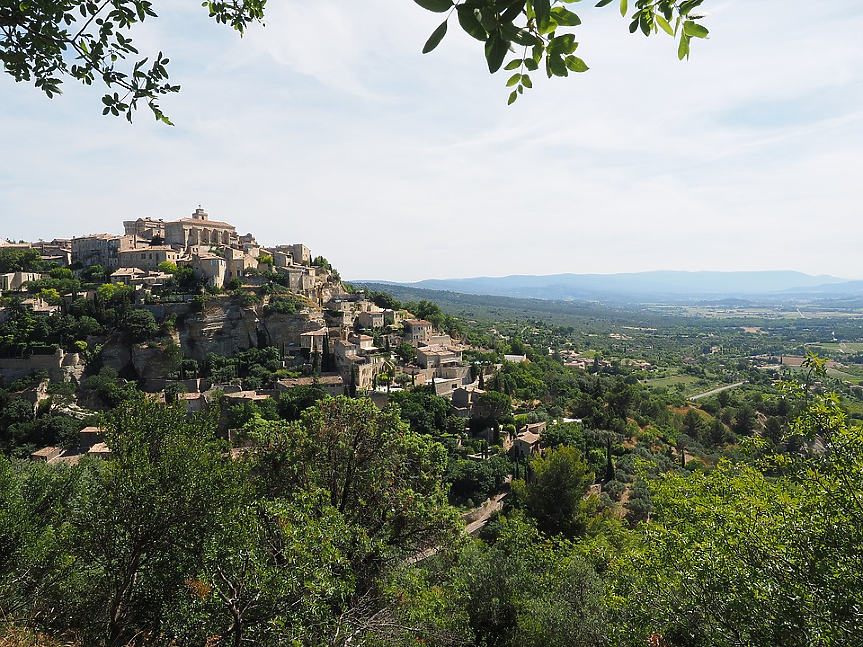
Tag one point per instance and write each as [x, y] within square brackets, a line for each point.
[356, 336]
[211, 248]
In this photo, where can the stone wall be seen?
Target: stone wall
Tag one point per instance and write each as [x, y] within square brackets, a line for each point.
[60, 366]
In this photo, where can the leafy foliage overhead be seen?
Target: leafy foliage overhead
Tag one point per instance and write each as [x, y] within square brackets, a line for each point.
[44, 41]
[48, 41]
[541, 30]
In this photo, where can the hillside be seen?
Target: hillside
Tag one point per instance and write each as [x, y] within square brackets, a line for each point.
[641, 287]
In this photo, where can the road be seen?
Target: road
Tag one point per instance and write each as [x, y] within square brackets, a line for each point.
[715, 391]
[492, 505]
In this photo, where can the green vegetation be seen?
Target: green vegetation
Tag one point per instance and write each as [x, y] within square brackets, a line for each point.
[640, 515]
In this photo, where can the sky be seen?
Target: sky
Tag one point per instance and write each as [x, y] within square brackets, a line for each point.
[327, 126]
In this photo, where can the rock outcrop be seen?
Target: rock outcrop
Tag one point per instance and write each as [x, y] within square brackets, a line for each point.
[224, 327]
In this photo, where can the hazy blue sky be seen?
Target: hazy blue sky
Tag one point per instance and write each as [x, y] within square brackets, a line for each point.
[327, 126]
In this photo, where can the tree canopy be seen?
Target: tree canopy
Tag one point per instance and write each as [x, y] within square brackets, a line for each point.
[49, 41]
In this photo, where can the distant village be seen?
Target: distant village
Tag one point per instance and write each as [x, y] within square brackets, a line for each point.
[337, 339]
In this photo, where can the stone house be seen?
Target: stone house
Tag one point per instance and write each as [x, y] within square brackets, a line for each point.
[16, 280]
[199, 230]
[100, 249]
[238, 261]
[211, 267]
[313, 340]
[332, 383]
[437, 356]
[148, 258]
[417, 331]
[370, 319]
[145, 229]
[527, 440]
[463, 399]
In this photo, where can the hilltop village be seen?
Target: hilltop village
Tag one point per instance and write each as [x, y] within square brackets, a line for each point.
[173, 472]
[191, 294]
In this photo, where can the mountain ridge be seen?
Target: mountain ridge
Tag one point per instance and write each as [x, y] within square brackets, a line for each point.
[639, 285]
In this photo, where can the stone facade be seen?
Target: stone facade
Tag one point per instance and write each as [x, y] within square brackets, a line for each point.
[199, 230]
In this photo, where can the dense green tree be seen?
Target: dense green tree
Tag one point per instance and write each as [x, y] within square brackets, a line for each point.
[384, 300]
[383, 478]
[425, 412]
[476, 480]
[291, 404]
[493, 407]
[20, 260]
[405, 352]
[140, 325]
[137, 523]
[745, 420]
[273, 575]
[524, 590]
[568, 433]
[555, 493]
[736, 558]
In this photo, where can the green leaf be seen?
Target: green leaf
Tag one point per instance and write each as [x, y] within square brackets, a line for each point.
[438, 6]
[576, 64]
[488, 18]
[512, 97]
[694, 29]
[515, 78]
[435, 38]
[556, 66]
[623, 8]
[602, 3]
[562, 44]
[496, 48]
[542, 11]
[519, 36]
[531, 64]
[468, 20]
[538, 50]
[514, 64]
[688, 5]
[525, 81]
[644, 23]
[511, 13]
[564, 17]
[683, 48]
[663, 23]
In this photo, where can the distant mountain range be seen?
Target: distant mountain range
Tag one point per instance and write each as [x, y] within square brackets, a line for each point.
[649, 286]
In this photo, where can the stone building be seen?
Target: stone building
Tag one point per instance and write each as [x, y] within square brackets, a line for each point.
[148, 258]
[199, 230]
[145, 229]
[100, 249]
[417, 331]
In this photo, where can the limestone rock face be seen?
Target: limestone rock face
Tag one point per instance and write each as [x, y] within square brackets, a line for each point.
[116, 354]
[283, 330]
[225, 328]
[151, 361]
